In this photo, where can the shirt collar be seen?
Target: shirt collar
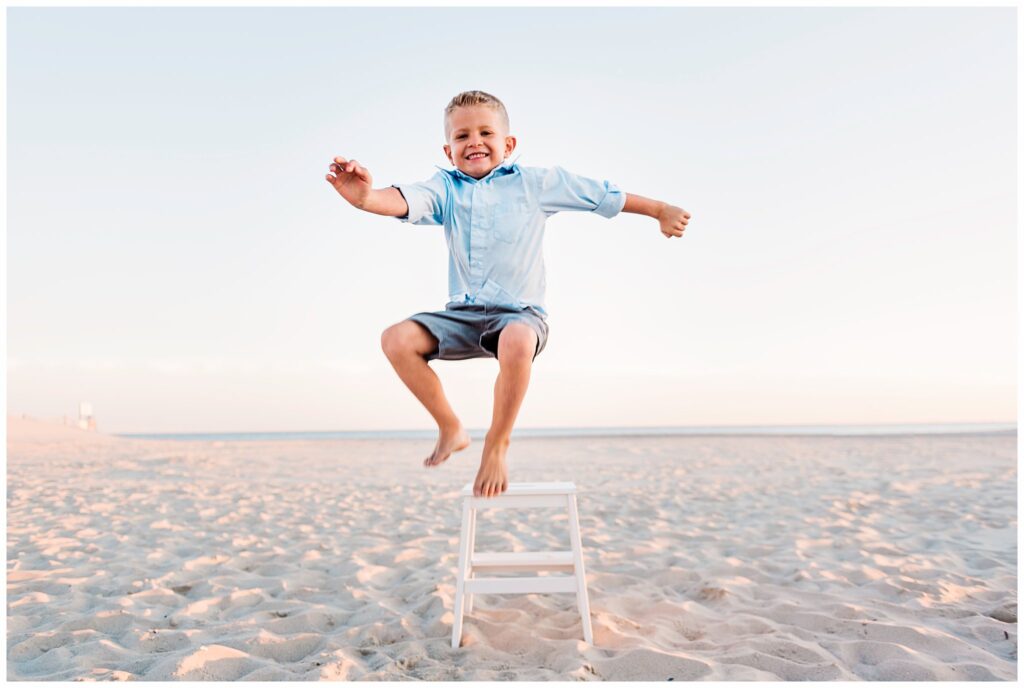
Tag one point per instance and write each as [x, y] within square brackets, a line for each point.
[507, 167]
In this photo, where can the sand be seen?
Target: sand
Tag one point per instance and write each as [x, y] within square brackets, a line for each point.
[713, 558]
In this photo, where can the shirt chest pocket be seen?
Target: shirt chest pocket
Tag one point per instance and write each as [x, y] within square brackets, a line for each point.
[512, 220]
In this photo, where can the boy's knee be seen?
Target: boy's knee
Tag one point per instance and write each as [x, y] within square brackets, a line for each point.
[393, 340]
[517, 341]
[405, 337]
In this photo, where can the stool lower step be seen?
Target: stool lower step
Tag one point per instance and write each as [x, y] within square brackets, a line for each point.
[521, 585]
[531, 560]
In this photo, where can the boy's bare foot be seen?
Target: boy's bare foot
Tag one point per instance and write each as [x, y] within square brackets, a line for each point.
[448, 441]
[492, 478]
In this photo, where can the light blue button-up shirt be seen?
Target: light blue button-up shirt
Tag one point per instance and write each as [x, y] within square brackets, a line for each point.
[494, 226]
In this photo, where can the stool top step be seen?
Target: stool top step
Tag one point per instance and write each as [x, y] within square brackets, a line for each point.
[520, 489]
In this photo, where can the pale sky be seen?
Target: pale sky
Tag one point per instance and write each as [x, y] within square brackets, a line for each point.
[175, 257]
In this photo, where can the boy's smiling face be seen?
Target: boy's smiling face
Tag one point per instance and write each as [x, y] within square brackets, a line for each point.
[478, 139]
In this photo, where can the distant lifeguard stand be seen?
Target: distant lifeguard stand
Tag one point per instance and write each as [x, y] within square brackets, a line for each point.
[86, 421]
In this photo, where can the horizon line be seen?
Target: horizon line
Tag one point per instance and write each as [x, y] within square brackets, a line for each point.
[895, 428]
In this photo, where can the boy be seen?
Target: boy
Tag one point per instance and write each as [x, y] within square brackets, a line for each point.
[493, 212]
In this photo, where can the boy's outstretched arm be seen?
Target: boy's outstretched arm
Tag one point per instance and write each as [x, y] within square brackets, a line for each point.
[673, 220]
[354, 183]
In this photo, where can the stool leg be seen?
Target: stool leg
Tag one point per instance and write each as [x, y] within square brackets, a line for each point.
[582, 601]
[460, 584]
[469, 562]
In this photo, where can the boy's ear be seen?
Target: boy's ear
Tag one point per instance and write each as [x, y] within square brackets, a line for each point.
[510, 145]
[448, 153]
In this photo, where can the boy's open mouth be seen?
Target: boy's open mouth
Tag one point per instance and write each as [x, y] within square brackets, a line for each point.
[475, 156]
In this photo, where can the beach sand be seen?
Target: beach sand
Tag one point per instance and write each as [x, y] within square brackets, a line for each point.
[715, 558]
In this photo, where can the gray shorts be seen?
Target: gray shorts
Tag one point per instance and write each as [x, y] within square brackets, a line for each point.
[469, 330]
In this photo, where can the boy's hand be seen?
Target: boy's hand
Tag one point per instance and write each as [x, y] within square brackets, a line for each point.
[351, 180]
[673, 221]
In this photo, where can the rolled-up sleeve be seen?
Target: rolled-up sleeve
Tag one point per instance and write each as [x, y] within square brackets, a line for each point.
[562, 190]
[426, 200]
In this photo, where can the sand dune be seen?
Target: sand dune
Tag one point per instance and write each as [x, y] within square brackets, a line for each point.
[714, 558]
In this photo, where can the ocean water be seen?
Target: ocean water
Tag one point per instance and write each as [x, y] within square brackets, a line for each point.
[478, 433]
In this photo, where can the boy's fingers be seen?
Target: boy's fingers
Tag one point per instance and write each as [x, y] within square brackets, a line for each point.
[361, 172]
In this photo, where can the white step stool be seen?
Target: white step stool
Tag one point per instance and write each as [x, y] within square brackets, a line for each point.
[519, 496]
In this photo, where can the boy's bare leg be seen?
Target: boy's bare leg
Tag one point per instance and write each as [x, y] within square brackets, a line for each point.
[405, 345]
[516, 346]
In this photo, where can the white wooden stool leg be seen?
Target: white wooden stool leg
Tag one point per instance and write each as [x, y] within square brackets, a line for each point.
[460, 581]
[469, 561]
[582, 601]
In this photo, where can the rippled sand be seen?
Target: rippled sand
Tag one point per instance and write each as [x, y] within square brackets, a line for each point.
[722, 558]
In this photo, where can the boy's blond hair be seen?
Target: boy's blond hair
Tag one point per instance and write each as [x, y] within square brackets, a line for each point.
[467, 98]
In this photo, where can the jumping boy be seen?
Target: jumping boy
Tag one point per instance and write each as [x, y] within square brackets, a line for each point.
[493, 212]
